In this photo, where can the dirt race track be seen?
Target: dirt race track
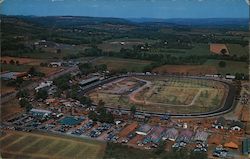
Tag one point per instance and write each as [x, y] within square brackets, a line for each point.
[165, 94]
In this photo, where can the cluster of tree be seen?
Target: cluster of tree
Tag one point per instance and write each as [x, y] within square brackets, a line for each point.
[123, 151]
[33, 72]
[101, 114]
[179, 44]
[222, 64]
[133, 109]
[43, 64]
[63, 82]
[13, 45]
[87, 68]
[78, 41]
[18, 83]
[42, 94]
[24, 93]
[24, 103]
[12, 62]
[241, 76]
[185, 154]
[74, 93]
[160, 59]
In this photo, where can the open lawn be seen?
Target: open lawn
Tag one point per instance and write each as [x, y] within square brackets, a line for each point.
[209, 67]
[186, 94]
[238, 50]
[116, 44]
[119, 64]
[27, 145]
[15, 68]
[231, 67]
[198, 49]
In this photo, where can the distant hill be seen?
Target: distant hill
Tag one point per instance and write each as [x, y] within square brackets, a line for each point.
[209, 22]
[69, 21]
[79, 21]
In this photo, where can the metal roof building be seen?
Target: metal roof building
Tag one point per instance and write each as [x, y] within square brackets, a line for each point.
[40, 112]
[144, 129]
[12, 75]
[201, 136]
[89, 80]
[155, 135]
[185, 136]
[170, 134]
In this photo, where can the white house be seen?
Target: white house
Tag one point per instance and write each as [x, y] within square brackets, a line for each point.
[44, 85]
[55, 64]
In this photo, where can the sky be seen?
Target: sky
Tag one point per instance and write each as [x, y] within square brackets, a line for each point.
[129, 8]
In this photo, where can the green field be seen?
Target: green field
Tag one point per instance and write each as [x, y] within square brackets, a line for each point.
[26, 145]
[231, 67]
[15, 68]
[238, 50]
[198, 49]
[119, 64]
[115, 44]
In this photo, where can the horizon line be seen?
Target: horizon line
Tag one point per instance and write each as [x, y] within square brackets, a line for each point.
[124, 17]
